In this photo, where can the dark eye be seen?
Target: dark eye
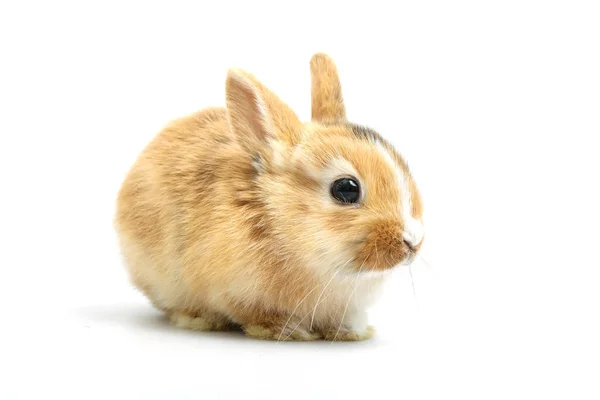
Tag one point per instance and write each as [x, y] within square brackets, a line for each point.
[345, 190]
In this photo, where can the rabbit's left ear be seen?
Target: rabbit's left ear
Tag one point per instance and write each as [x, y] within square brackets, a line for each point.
[327, 100]
[256, 115]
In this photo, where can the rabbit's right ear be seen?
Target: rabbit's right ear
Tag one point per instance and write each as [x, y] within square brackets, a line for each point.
[327, 100]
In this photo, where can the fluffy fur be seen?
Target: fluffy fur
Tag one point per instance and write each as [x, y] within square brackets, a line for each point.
[226, 217]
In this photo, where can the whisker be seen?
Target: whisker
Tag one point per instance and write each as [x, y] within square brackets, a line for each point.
[303, 318]
[312, 320]
[426, 263]
[348, 302]
[292, 313]
[412, 281]
[319, 301]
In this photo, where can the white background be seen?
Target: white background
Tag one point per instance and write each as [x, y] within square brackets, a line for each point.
[495, 105]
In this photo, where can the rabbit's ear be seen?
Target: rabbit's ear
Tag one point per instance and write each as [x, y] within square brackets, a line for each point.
[327, 101]
[256, 115]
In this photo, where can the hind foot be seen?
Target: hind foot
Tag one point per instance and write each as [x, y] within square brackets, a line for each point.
[201, 322]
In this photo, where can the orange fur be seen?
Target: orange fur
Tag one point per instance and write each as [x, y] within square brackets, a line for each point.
[226, 219]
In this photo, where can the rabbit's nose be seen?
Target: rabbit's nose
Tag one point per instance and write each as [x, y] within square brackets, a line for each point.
[409, 245]
[413, 233]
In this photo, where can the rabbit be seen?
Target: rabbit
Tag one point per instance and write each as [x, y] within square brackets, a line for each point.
[244, 217]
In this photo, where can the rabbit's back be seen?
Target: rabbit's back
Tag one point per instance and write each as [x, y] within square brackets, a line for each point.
[171, 199]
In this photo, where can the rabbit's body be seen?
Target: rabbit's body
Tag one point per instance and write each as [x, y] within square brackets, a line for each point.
[221, 226]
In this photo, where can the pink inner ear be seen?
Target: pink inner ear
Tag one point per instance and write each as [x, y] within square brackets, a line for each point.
[257, 114]
[248, 118]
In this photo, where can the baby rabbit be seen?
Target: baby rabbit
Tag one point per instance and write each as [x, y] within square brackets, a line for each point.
[244, 216]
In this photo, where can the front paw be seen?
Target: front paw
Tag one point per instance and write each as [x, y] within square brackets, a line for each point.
[346, 334]
[280, 333]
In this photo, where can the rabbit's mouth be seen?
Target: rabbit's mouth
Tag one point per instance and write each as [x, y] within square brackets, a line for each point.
[386, 247]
